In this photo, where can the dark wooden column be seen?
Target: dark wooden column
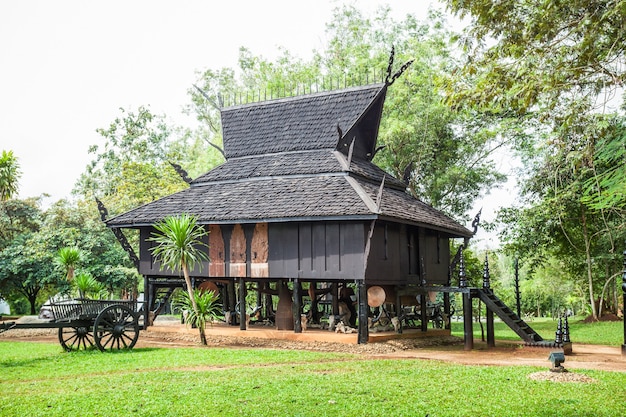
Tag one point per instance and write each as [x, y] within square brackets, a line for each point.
[399, 311]
[297, 306]
[423, 311]
[242, 304]
[446, 309]
[149, 294]
[335, 301]
[227, 231]
[363, 309]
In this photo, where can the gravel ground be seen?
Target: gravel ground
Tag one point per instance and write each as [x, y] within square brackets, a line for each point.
[445, 348]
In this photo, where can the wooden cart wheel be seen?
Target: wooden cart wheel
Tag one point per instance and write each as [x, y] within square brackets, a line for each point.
[116, 327]
[74, 338]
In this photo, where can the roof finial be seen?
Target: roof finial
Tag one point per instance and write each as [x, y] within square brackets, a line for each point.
[181, 172]
[390, 65]
[390, 79]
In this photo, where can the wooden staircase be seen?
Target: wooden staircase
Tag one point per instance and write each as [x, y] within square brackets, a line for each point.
[507, 315]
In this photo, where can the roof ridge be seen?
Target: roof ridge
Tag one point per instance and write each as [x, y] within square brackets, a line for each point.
[279, 153]
[302, 97]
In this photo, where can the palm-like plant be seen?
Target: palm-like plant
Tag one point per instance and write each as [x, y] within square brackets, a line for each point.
[9, 175]
[179, 243]
[68, 258]
[87, 285]
[207, 309]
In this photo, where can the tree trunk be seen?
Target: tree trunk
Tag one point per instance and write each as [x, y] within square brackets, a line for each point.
[193, 303]
[594, 311]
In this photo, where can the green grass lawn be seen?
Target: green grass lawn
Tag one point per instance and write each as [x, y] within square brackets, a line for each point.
[41, 380]
[599, 333]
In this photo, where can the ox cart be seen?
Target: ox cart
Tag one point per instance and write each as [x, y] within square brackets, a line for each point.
[84, 323]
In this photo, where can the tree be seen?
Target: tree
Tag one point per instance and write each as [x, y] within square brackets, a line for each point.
[27, 270]
[9, 175]
[556, 69]
[556, 57]
[68, 258]
[178, 241]
[207, 306]
[17, 217]
[449, 151]
[132, 167]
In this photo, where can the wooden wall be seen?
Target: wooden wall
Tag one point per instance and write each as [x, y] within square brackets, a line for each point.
[402, 254]
[317, 250]
[399, 254]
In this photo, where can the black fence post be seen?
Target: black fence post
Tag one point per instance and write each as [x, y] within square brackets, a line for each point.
[624, 304]
[242, 304]
[468, 331]
[491, 337]
[517, 293]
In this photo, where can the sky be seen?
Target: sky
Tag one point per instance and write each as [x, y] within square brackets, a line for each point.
[68, 66]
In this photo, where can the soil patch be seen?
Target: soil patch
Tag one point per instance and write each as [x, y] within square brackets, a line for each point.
[445, 348]
[604, 317]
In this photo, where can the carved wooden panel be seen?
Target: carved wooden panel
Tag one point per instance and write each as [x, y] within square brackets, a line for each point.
[260, 248]
[216, 251]
[238, 252]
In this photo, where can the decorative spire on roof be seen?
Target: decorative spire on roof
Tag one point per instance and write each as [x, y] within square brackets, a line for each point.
[390, 79]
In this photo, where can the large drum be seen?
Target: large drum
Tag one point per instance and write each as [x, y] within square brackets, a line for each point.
[375, 296]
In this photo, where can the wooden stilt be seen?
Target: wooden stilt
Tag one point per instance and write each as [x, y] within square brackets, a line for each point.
[468, 332]
[242, 304]
[297, 306]
[363, 309]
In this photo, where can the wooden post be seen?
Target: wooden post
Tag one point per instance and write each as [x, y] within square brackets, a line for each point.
[297, 306]
[468, 332]
[399, 312]
[149, 305]
[363, 309]
[446, 309]
[423, 312]
[242, 304]
[335, 300]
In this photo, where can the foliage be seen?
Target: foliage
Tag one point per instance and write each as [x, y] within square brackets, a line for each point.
[27, 270]
[132, 168]
[557, 223]
[88, 286]
[208, 309]
[179, 243]
[27, 264]
[450, 151]
[9, 175]
[556, 69]
[556, 57]
[68, 258]
[286, 382]
[606, 190]
[178, 239]
[18, 216]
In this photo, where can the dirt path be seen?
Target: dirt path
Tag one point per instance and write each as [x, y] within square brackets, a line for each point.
[448, 349]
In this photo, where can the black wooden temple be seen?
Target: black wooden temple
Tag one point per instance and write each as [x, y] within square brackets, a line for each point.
[297, 201]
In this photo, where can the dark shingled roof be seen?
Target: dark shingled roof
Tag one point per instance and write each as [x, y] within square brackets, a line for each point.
[282, 165]
[294, 124]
